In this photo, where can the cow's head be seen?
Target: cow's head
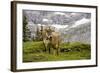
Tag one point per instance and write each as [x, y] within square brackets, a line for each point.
[48, 32]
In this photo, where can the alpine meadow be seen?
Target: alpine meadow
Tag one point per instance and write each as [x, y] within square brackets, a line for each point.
[56, 35]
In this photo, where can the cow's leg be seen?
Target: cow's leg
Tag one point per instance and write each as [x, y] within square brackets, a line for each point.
[46, 45]
[50, 48]
[46, 49]
[58, 51]
[54, 51]
[49, 51]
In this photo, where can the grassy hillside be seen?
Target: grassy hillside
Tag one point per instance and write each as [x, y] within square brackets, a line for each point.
[35, 52]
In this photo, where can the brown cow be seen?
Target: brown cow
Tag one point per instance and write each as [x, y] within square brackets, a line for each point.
[51, 41]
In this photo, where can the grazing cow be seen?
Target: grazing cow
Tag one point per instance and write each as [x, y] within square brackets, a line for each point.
[51, 41]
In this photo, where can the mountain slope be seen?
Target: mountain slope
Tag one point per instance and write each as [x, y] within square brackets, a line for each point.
[81, 33]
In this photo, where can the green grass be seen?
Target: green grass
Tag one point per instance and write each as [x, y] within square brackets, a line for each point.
[34, 52]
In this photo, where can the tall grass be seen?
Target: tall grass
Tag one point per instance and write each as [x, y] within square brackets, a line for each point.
[34, 52]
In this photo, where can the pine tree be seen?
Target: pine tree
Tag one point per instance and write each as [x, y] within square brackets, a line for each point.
[26, 31]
